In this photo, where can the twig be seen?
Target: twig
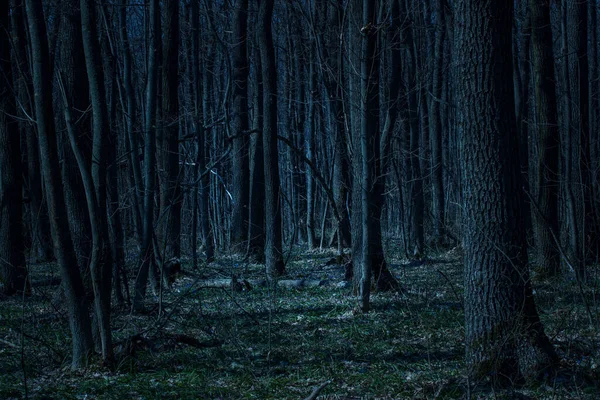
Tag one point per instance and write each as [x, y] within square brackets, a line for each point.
[10, 344]
[315, 393]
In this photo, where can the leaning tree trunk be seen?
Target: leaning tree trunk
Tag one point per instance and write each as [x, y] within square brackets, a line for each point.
[103, 276]
[273, 249]
[63, 246]
[74, 80]
[504, 336]
[13, 270]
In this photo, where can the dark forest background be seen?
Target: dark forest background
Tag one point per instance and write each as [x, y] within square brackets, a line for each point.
[153, 148]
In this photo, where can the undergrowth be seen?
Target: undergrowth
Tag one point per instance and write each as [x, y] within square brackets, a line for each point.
[280, 344]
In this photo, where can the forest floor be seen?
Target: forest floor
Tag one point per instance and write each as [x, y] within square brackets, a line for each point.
[259, 343]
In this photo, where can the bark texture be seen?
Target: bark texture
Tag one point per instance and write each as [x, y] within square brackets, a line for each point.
[504, 336]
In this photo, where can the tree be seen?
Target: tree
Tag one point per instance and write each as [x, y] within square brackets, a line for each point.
[239, 126]
[170, 192]
[13, 268]
[74, 80]
[545, 211]
[435, 125]
[38, 220]
[102, 276]
[273, 250]
[147, 251]
[504, 336]
[369, 140]
[63, 246]
[256, 227]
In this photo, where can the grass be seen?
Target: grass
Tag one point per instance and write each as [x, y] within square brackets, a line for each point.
[281, 344]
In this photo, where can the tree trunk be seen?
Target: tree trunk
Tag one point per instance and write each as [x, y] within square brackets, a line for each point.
[435, 127]
[256, 228]
[13, 269]
[504, 336]
[309, 133]
[38, 210]
[170, 193]
[273, 250]
[239, 125]
[63, 246]
[417, 200]
[545, 211]
[147, 252]
[74, 81]
[103, 276]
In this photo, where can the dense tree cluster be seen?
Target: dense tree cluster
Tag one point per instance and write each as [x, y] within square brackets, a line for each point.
[182, 130]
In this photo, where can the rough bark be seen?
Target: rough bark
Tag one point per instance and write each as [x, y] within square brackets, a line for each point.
[63, 247]
[504, 336]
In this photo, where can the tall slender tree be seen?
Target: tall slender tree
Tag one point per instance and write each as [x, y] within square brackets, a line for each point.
[38, 211]
[103, 275]
[13, 268]
[435, 125]
[545, 211]
[240, 126]
[170, 192]
[63, 247]
[147, 251]
[273, 247]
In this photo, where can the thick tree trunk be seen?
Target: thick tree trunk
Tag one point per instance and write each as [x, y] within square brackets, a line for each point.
[504, 336]
[273, 249]
[63, 246]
